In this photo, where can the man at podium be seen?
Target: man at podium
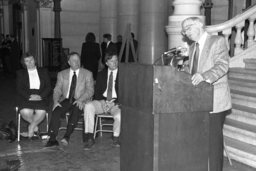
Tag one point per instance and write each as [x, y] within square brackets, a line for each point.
[209, 62]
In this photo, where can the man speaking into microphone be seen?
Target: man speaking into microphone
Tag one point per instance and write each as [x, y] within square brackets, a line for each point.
[209, 62]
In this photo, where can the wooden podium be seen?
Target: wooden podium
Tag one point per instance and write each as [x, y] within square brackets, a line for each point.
[164, 125]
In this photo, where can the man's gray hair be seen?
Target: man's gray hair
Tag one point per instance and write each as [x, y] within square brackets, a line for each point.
[193, 20]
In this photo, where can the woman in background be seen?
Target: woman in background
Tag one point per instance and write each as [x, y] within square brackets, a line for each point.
[90, 54]
[33, 87]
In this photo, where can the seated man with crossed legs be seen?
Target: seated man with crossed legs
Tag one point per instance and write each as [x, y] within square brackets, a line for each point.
[106, 98]
[74, 87]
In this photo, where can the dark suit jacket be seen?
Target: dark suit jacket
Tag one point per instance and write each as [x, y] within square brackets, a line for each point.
[101, 85]
[90, 55]
[104, 49]
[22, 85]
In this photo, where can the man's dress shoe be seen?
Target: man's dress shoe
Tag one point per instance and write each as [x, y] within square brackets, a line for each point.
[88, 144]
[52, 143]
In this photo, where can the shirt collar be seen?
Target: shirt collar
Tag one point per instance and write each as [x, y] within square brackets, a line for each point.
[202, 39]
[114, 71]
[71, 71]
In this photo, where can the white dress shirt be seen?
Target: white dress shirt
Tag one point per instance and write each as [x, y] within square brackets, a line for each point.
[201, 43]
[34, 81]
[114, 95]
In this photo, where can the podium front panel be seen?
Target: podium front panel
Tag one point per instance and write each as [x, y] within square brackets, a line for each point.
[164, 123]
[173, 92]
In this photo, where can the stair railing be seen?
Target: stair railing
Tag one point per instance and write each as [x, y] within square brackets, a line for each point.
[236, 26]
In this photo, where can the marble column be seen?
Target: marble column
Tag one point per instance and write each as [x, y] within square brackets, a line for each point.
[108, 18]
[24, 33]
[152, 20]
[57, 10]
[182, 10]
[1, 23]
[6, 15]
[38, 35]
[127, 13]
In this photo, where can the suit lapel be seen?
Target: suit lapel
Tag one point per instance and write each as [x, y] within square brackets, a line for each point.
[26, 79]
[40, 77]
[66, 81]
[106, 80]
[191, 60]
[205, 53]
[79, 80]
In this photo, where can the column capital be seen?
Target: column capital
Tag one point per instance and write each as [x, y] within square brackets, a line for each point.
[185, 7]
[207, 4]
[57, 5]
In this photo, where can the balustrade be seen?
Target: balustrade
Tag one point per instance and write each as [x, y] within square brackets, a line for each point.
[237, 24]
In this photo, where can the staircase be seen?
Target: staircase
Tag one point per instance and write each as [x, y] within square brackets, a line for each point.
[240, 126]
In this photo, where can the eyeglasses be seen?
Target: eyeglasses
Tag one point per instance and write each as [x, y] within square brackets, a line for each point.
[187, 28]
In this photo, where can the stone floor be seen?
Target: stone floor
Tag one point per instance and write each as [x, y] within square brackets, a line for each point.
[32, 156]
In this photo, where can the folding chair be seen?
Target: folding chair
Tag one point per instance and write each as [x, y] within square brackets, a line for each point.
[18, 117]
[99, 128]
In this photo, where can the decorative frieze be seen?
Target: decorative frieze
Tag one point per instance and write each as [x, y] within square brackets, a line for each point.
[45, 3]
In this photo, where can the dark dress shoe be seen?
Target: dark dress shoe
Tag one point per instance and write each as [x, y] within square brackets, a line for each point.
[23, 137]
[52, 143]
[88, 144]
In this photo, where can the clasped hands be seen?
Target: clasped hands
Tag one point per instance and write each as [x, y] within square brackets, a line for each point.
[108, 105]
[35, 97]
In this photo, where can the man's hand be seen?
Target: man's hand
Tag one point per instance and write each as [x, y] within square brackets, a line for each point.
[35, 97]
[79, 104]
[197, 78]
[108, 105]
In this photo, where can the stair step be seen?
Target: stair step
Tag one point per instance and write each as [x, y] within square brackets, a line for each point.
[243, 116]
[243, 100]
[240, 131]
[241, 73]
[241, 152]
[240, 125]
[245, 91]
[242, 70]
[242, 82]
[244, 108]
[250, 63]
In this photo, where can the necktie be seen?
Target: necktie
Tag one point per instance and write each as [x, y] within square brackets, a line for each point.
[72, 88]
[110, 85]
[195, 61]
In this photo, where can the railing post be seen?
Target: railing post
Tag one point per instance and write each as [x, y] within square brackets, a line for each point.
[226, 34]
[238, 39]
[251, 31]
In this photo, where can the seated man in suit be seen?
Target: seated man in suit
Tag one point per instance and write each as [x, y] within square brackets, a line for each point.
[73, 89]
[106, 98]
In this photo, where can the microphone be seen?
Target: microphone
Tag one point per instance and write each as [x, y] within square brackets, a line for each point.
[172, 50]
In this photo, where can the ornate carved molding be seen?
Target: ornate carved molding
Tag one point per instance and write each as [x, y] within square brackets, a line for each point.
[45, 3]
